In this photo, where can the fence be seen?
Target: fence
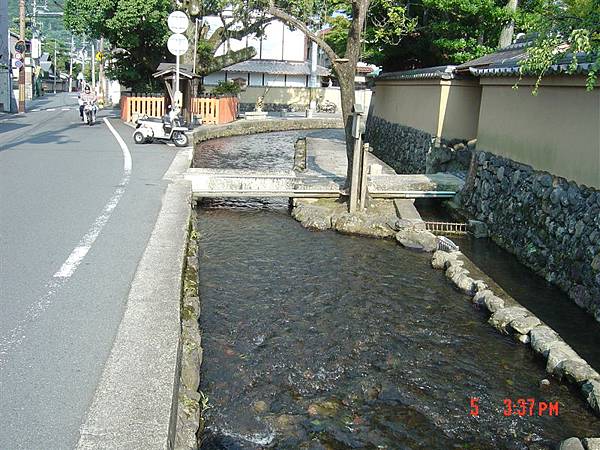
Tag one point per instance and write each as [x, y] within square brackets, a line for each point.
[212, 110]
[139, 106]
[215, 110]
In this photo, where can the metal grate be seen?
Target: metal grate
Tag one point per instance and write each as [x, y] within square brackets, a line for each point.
[446, 227]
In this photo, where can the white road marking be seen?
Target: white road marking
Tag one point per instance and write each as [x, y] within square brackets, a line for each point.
[17, 334]
[66, 109]
[51, 109]
[35, 110]
[89, 238]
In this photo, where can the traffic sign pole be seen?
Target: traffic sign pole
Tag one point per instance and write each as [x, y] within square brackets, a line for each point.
[178, 22]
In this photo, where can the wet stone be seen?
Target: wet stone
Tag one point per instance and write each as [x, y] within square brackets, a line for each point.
[591, 443]
[542, 338]
[503, 317]
[524, 325]
[572, 443]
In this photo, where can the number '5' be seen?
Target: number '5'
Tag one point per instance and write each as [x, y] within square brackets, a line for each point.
[474, 406]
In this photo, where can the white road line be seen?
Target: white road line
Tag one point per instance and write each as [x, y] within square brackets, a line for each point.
[89, 238]
[35, 110]
[17, 334]
[66, 109]
[51, 109]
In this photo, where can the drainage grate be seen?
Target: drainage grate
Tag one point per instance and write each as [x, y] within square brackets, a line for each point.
[446, 227]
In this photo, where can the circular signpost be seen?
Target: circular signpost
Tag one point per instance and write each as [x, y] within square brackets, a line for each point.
[177, 44]
[20, 46]
[178, 22]
[18, 63]
[18, 55]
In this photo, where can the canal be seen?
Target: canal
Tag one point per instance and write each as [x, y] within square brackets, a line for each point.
[324, 341]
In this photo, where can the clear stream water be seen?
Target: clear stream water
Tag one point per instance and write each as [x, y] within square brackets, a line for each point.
[324, 341]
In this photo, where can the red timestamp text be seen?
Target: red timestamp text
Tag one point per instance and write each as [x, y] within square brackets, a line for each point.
[520, 407]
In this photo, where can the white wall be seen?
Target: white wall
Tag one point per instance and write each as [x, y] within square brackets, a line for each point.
[278, 42]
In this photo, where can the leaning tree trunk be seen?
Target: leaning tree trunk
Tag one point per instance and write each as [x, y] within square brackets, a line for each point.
[506, 35]
[346, 72]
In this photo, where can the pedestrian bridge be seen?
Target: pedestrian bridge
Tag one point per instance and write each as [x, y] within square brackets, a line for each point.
[248, 183]
[321, 165]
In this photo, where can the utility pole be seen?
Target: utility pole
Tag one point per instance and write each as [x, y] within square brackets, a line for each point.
[93, 67]
[55, 69]
[101, 77]
[21, 105]
[71, 67]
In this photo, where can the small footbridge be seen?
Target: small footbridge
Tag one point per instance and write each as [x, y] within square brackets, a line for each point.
[322, 166]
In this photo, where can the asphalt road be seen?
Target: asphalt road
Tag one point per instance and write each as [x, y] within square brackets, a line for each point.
[74, 223]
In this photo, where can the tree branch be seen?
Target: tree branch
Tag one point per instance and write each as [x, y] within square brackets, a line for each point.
[290, 20]
[253, 28]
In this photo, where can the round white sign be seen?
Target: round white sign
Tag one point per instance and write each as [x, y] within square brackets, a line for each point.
[177, 44]
[178, 22]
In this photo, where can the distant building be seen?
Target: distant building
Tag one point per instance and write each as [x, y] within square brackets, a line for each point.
[283, 59]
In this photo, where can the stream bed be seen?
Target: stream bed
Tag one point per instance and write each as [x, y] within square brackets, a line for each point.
[325, 341]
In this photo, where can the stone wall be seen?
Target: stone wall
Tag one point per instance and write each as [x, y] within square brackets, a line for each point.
[273, 107]
[410, 150]
[551, 225]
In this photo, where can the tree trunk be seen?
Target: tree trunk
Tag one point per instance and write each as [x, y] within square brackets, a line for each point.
[506, 35]
[346, 73]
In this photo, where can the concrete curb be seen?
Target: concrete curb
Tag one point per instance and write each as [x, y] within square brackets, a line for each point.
[135, 404]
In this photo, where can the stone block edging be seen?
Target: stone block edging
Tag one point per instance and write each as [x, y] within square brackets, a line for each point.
[509, 317]
[245, 127]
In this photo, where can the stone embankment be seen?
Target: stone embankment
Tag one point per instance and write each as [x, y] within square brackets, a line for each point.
[244, 127]
[550, 224]
[509, 317]
[409, 150]
[190, 400]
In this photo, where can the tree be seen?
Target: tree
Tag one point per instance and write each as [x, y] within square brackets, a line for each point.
[237, 21]
[305, 15]
[136, 29]
[438, 32]
[506, 35]
[569, 27]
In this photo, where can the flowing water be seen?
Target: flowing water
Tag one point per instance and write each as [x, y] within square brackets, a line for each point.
[324, 341]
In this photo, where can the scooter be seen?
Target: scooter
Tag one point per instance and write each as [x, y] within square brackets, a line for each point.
[89, 113]
[166, 129]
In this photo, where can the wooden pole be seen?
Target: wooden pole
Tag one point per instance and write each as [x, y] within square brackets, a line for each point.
[21, 104]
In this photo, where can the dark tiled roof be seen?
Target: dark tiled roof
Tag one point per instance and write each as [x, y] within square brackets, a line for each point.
[431, 73]
[276, 67]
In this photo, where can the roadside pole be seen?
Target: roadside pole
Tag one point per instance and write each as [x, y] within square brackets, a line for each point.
[357, 130]
[21, 104]
[55, 69]
[195, 47]
[93, 67]
[177, 44]
[71, 67]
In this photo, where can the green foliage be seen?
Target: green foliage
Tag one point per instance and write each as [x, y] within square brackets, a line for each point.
[569, 27]
[431, 32]
[136, 29]
[226, 88]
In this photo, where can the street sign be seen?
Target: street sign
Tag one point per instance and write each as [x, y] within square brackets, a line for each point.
[18, 55]
[177, 44]
[99, 56]
[178, 22]
[20, 46]
[18, 63]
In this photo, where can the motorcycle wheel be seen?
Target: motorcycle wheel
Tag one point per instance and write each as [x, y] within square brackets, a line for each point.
[138, 137]
[180, 139]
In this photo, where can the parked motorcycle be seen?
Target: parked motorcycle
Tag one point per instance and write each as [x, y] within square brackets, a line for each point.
[326, 106]
[169, 128]
[89, 113]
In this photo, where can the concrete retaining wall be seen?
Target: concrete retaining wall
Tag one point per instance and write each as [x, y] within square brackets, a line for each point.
[552, 225]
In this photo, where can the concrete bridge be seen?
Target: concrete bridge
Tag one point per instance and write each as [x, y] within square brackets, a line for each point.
[323, 176]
